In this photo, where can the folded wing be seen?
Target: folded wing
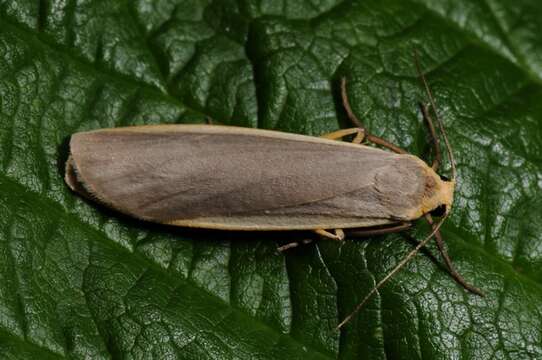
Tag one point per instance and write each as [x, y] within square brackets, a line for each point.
[226, 177]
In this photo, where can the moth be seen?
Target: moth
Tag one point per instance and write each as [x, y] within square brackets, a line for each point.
[232, 178]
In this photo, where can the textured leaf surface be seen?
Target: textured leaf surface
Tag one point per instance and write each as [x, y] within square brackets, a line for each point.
[80, 281]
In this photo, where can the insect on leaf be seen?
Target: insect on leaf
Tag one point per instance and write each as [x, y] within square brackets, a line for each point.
[80, 281]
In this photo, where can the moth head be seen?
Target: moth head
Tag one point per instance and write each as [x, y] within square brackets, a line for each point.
[438, 196]
[447, 200]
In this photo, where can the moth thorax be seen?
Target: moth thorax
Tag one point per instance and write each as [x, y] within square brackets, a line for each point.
[437, 193]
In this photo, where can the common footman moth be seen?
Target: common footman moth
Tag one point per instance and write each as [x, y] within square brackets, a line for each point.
[232, 178]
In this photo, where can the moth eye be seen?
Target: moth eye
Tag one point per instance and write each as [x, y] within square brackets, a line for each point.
[439, 211]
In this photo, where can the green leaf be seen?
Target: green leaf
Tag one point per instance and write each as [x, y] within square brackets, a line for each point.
[81, 281]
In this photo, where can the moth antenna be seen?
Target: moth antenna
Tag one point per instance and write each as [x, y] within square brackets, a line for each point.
[396, 269]
[451, 268]
[440, 124]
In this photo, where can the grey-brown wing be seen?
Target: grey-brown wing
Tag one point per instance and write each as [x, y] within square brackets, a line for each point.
[244, 179]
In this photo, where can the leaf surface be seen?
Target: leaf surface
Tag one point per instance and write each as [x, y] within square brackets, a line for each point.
[81, 281]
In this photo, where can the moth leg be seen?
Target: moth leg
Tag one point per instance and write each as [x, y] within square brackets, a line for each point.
[388, 145]
[451, 269]
[339, 134]
[339, 234]
[380, 231]
[370, 138]
[429, 121]
[293, 245]
[347, 108]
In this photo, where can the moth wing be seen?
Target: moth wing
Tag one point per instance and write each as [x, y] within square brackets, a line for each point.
[235, 178]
